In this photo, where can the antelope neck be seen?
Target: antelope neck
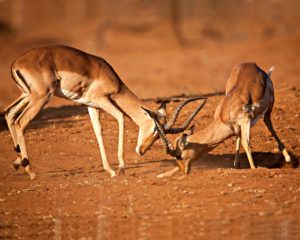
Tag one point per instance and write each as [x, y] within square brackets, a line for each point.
[131, 105]
[212, 135]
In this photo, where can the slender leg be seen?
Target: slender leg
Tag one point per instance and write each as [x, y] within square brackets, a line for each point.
[245, 135]
[95, 118]
[169, 173]
[11, 113]
[187, 166]
[268, 122]
[182, 166]
[237, 152]
[31, 110]
[108, 107]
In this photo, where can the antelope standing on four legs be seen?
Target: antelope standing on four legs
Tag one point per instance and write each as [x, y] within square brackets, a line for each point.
[75, 75]
[249, 96]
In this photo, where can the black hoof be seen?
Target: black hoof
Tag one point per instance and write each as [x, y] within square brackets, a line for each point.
[16, 166]
[236, 165]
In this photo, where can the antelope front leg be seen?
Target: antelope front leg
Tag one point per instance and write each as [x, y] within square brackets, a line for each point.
[95, 119]
[110, 108]
[187, 166]
[169, 173]
[121, 168]
[237, 153]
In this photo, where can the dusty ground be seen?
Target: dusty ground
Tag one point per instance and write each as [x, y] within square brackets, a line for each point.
[74, 198]
[157, 52]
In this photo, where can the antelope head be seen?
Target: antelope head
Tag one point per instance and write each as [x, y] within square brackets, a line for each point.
[183, 151]
[161, 127]
[149, 132]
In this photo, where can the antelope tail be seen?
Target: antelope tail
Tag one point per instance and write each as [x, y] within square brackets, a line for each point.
[271, 71]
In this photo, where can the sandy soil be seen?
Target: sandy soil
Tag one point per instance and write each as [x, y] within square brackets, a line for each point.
[73, 198]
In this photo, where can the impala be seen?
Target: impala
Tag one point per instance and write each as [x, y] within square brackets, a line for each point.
[83, 78]
[249, 96]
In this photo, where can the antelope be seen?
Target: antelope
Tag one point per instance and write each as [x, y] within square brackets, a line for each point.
[87, 79]
[249, 97]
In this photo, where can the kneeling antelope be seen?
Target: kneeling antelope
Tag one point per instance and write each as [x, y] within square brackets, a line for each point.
[249, 96]
[75, 75]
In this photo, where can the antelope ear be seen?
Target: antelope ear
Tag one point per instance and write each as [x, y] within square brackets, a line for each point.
[182, 139]
[148, 112]
[181, 143]
[162, 109]
[162, 113]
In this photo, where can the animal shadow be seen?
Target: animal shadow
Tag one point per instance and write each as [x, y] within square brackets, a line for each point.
[49, 115]
[261, 159]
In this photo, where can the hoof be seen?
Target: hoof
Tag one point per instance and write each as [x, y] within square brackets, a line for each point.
[32, 175]
[112, 173]
[169, 173]
[121, 171]
[16, 166]
[160, 175]
[236, 165]
[286, 156]
[17, 163]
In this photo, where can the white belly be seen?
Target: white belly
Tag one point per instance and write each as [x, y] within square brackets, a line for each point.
[72, 87]
[63, 93]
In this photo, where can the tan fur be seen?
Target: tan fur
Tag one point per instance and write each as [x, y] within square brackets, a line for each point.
[78, 76]
[249, 96]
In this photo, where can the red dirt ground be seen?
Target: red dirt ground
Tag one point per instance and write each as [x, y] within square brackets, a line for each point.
[73, 198]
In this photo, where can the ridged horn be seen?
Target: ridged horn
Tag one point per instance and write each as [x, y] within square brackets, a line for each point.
[176, 112]
[188, 121]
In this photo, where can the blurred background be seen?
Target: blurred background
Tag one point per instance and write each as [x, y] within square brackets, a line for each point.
[158, 48]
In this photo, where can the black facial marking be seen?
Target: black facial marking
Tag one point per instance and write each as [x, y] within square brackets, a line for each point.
[17, 149]
[25, 162]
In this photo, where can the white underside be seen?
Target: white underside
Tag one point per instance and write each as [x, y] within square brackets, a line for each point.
[76, 98]
[75, 79]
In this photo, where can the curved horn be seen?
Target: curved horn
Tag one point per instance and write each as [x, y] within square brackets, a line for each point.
[176, 112]
[188, 121]
[167, 145]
